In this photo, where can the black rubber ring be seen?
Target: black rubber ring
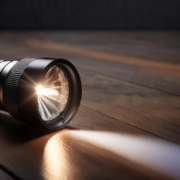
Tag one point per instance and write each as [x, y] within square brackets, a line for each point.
[11, 84]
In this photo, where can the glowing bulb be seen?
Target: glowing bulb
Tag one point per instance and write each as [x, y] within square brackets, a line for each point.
[40, 90]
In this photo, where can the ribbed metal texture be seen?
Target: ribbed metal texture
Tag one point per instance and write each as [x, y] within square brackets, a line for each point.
[11, 84]
[5, 68]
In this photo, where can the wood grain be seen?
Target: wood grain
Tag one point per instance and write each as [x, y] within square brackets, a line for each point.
[130, 88]
[38, 154]
[147, 59]
[155, 66]
[147, 109]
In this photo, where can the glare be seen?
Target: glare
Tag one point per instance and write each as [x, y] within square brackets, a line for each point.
[55, 164]
[153, 153]
[46, 91]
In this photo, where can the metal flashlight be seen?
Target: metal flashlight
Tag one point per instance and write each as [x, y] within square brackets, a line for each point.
[41, 91]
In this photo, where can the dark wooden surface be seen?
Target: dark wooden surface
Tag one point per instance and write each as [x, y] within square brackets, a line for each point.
[128, 124]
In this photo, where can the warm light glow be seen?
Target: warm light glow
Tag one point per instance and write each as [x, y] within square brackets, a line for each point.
[153, 153]
[55, 164]
[52, 94]
[46, 91]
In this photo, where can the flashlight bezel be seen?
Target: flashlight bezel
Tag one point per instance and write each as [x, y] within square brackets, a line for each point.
[27, 97]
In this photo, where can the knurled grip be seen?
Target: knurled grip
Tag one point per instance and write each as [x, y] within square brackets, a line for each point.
[11, 84]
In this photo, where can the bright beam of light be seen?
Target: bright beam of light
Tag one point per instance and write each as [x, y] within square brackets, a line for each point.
[153, 153]
[55, 165]
[46, 91]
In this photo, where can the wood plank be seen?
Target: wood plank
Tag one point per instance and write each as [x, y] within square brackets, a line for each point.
[102, 55]
[89, 119]
[156, 78]
[64, 155]
[151, 152]
[155, 74]
[148, 109]
[157, 46]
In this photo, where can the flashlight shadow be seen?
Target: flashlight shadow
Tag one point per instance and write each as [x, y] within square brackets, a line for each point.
[14, 130]
[22, 132]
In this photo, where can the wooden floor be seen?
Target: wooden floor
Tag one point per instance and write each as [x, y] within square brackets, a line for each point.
[128, 124]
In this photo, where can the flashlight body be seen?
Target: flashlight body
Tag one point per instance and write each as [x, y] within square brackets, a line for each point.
[5, 68]
[18, 84]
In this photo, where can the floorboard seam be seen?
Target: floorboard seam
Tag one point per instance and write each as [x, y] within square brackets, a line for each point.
[121, 121]
[10, 173]
[137, 84]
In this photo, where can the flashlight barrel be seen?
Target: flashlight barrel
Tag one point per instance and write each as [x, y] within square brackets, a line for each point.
[19, 80]
[5, 68]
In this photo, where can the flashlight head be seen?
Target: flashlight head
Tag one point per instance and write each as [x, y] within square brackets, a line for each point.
[43, 91]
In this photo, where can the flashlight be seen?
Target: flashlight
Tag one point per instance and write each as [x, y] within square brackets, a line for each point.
[40, 91]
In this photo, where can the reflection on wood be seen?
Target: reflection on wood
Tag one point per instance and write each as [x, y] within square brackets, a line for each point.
[68, 156]
[152, 153]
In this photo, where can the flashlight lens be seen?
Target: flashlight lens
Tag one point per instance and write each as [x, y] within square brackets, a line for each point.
[52, 94]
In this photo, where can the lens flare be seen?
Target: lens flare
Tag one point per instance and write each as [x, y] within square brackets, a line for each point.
[52, 94]
[46, 92]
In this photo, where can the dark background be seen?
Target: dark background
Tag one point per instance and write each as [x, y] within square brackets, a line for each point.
[89, 14]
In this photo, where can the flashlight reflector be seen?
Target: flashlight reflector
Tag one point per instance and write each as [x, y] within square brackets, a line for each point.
[53, 94]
